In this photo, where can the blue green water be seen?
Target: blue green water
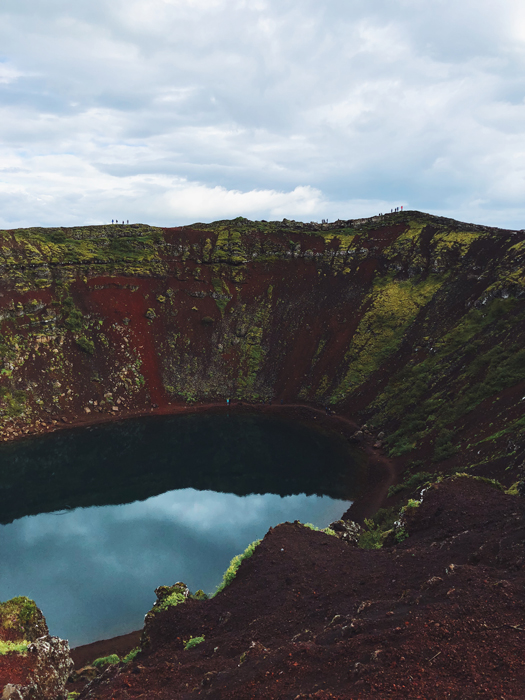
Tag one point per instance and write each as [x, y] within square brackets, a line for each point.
[102, 516]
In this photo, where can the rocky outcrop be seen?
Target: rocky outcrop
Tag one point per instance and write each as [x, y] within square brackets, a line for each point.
[50, 668]
[347, 530]
[33, 664]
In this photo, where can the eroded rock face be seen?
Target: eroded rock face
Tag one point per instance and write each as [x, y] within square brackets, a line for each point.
[347, 530]
[47, 680]
[53, 666]
[38, 666]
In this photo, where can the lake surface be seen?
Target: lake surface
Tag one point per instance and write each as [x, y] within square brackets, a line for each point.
[97, 518]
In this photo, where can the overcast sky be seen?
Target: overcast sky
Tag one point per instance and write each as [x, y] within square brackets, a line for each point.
[174, 111]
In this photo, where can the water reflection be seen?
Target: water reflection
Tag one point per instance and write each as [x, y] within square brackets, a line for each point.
[93, 569]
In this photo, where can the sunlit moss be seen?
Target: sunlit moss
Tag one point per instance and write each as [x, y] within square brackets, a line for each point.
[13, 647]
[390, 308]
[235, 563]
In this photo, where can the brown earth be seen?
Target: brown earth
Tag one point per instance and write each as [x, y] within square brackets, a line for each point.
[440, 615]
[122, 645]
[307, 315]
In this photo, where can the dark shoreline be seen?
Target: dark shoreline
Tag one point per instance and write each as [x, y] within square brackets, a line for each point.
[380, 474]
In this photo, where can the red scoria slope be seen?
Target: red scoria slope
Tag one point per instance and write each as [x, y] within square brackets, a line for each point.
[441, 615]
[410, 322]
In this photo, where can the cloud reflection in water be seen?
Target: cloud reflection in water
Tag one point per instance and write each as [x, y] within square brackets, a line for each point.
[93, 570]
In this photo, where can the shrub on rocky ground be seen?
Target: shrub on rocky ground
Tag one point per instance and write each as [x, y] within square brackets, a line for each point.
[106, 661]
[193, 642]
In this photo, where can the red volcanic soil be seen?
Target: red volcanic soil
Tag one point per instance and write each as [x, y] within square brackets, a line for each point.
[16, 669]
[440, 615]
[122, 645]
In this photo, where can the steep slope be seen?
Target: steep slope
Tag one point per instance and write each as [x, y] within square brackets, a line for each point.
[412, 323]
[308, 616]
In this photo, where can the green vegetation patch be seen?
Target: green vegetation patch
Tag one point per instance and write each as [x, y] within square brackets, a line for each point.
[176, 597]
[229, 247]
[235, 563]
[390, 309]
[193, 642]
[132, 654]
[251, 348]
[473, 361]
[13, 401]
[88, 244]
[86, 345]
[410, 482]
[20, 615]
[482, 479]
[106, 661]
[372, 536]
[326, 530]
[13, 647]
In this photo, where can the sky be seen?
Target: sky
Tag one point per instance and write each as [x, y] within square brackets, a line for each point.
[169, 112]
[93, 571]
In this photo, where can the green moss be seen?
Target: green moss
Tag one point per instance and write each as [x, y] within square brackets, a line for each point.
[372, 536]
[13, 647]
[13, 402]
[411, 482]
[222, 293]
[482, 479]
[390, 309]
[482, 344]
[19, 615]
[514, 489]
[132, 654]
[86, 345]
[170, 596]
[175, 598]
[460, 241]
[193, 642]
[325, 530]
[252, 351]
[229, 247]
[106, 661]
[74, 320]
[132, 248]
[412, 503]
[235, 563]
[400, 535]
[407, 246]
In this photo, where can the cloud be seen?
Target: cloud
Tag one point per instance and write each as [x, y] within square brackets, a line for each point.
[172, 111]
[93, 571]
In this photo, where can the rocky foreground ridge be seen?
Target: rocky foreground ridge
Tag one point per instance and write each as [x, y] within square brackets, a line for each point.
[411, 327]
[439, 615]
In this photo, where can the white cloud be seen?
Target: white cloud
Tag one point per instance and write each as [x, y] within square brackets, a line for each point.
[179, 110]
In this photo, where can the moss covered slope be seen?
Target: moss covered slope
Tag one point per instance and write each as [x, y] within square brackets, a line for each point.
[413, 322]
